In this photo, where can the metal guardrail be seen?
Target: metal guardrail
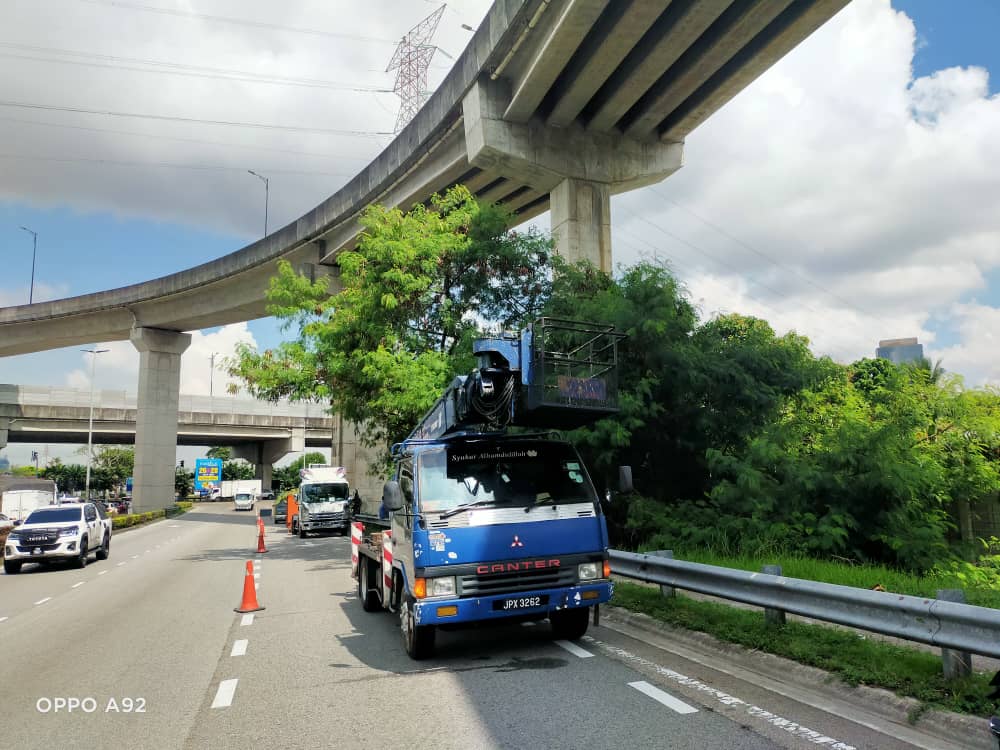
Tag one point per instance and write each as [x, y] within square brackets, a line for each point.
[950, 625]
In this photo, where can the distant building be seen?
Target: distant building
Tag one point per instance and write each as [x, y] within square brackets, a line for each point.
[900, 351]
[4, 463]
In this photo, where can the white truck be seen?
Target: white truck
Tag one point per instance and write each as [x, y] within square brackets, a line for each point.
[233, 487]
[67, 531]
[323, 500]
[18, 497]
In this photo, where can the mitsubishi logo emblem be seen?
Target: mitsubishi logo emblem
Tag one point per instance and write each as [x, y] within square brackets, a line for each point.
[517, 542]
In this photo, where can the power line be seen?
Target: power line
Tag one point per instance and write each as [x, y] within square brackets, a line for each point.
[184, 140]
[770, 259]
[112, 61]
[724, 266]
[170, 165]
[196, 120]
[236, 21]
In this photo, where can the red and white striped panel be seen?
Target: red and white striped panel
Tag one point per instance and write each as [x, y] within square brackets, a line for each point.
[386, 565]
[356, 530]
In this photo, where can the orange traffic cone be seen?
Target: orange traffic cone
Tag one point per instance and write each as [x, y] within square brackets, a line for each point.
[260, 542]
[249, 593]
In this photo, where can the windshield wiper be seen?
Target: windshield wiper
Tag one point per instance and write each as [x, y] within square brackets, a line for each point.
[542, 499]
[467, 506]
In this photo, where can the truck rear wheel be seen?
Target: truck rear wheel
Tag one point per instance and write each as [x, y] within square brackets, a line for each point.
[569, 624]
[418, 640]
[367, 595]
[105, 550]
[80, 561]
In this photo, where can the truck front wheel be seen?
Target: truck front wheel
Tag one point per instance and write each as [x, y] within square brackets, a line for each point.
[569, 624]
[302, 532]
[10, 567]
[418, 640]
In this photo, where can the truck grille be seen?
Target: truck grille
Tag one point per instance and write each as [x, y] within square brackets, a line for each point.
[474, 585]
[38, 537]
[325, 517]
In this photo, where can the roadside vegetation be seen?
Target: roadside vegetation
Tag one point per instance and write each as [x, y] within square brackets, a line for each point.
[138, 519]
[851, 657]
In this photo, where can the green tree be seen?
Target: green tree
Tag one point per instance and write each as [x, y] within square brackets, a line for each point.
[68, 477]
[111, 467]
[414, 293]
[183, 482]
[224, 452]
[233, 470]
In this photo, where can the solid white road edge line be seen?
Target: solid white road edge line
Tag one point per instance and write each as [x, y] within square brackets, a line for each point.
[663, 697]
[574, 649]
[224, 695]
[247, 619]
[42, 601]
[77, 585]
[239, 647]
[756, 711]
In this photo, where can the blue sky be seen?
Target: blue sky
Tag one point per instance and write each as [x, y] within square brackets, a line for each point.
[104, 225]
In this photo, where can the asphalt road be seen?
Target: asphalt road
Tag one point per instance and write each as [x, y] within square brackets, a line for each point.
[153, 628]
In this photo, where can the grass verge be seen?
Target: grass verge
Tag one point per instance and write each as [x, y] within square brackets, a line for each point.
[851, 657]
[846, 574]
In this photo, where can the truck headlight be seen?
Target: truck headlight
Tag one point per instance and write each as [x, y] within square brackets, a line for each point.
[441, 586]
[588, 571]
[70, 531]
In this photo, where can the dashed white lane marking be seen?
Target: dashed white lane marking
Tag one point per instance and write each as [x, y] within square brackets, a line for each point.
[4, 618]
[663, 697]
[574, 649]
[247, 619]
[224, 695]
[77, 585]
[756, 711]
[102, 572]
[147, 552]
[119, 565]
[239, 647]
[174, 526]
[134, 557]
[42, 601]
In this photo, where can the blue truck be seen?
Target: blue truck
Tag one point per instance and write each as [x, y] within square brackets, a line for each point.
[490, 518]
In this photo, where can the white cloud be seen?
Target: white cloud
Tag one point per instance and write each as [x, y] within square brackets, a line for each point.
[870, 193]
[976, 356]
[118, 368]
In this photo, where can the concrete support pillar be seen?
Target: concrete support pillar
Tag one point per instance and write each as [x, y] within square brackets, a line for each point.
[4, 427]
[156, 416]
[581, 221]
[347, 450]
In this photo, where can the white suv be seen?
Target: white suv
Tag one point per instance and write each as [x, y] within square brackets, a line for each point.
[68, 531]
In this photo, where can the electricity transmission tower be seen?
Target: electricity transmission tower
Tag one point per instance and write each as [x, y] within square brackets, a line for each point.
[411, 60]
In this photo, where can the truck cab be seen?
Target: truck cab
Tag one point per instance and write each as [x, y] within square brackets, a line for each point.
[494, 527]
[486, 524]
[323, 500]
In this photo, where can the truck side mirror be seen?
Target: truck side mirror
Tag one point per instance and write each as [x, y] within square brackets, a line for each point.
[392, 496]
[625, 479]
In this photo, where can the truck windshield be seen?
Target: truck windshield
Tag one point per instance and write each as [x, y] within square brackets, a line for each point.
[59, 515]
[323, 492]
[522, 473]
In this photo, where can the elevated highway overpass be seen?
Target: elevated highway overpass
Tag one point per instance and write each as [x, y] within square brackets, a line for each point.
[258, 431]
[554, 105]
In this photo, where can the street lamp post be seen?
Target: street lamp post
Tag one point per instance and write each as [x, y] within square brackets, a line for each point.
[90, 429]
[34, 250]
[211, 374]
[266, 196]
